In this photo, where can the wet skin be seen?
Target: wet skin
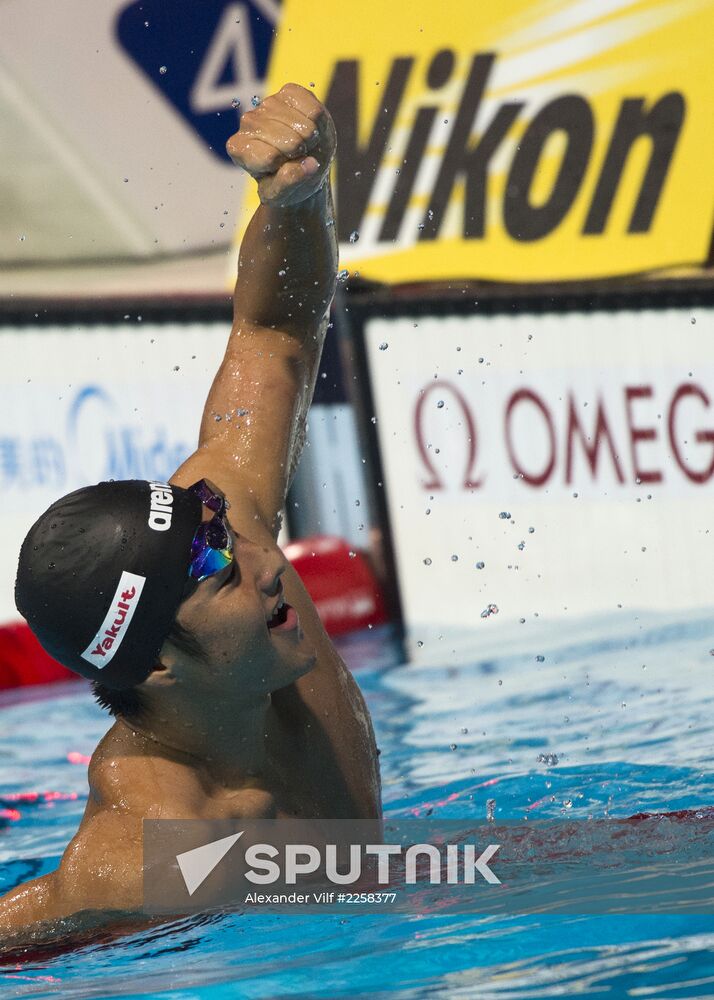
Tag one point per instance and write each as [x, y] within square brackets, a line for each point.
[262, 722]
[314, 754]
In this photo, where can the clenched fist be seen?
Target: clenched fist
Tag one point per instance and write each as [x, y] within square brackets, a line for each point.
[287, 144]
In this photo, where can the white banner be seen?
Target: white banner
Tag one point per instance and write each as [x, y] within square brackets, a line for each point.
[109, 402]
[546, 465]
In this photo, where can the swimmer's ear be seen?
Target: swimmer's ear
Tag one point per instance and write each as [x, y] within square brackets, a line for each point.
[163, 674]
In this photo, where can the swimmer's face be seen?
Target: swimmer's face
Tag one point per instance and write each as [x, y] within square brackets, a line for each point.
[228, 614]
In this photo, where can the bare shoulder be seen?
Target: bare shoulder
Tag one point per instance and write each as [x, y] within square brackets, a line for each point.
[101, 867]
[129, 777]
[120, 777]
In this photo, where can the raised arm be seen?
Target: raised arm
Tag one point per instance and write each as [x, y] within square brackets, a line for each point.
[253, 423]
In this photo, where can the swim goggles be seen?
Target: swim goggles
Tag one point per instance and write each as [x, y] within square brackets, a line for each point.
[212, 545]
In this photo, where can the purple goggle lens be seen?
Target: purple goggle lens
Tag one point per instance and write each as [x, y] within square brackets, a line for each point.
[212, 546]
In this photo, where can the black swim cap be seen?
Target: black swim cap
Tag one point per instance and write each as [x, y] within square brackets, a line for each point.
[102, 573]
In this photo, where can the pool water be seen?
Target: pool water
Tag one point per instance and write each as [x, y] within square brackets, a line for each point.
[586, 718]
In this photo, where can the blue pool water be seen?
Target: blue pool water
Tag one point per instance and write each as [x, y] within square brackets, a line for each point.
[615, 719]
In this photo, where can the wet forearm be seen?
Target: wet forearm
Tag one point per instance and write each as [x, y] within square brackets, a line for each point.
[24, 907]
[40, 911]
[287, 267]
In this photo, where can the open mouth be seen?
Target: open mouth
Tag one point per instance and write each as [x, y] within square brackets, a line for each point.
[284, 619]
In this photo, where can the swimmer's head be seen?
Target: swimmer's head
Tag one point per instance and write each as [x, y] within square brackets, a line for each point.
[102, 574]
[251, 639]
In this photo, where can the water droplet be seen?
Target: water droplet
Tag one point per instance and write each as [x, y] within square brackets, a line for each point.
[549, 759]
[126, 180]
[452, 746]
[693, 320]
[282, 272]
[440, 404]
[427, 561]
[428, 510]
[522, 621]
[464, 730]
[568, 803]
[480, 565]
[430, 215]
[521, 546]
[505, 515]
[373, 420]
[354, 236]
[531, 530]
[343, 275]
[419, 643]
[490, 610]
[235, 103]
[352, 555]
[540, 658]
[255, 100]
[21, 238]
[383, 346]
[176, 368]
[454, 558]
[162, 70]
[490, 809]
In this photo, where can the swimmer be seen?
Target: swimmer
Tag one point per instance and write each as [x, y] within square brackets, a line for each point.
[174, 598]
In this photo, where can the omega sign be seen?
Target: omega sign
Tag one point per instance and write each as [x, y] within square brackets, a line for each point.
[547, 462]
[606, 439]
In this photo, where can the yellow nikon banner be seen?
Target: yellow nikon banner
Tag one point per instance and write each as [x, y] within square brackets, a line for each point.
[512, 141]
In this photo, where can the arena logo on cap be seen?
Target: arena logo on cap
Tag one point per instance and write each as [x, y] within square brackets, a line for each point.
[162, 499]
[113, 629]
